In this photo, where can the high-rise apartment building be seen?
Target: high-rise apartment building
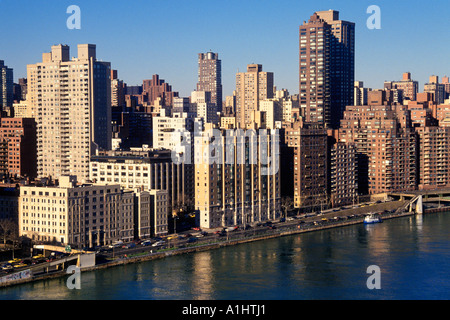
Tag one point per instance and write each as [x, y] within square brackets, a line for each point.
[327, 67]
[237, 178]
[310, 163]
[344, 174]
[210, 76]
[434, 146]
[252, 87]
[72, 99]
[386, 147]
[19, 135]
[6, 86]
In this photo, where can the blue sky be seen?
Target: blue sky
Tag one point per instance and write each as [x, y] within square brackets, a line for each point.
[145, 37]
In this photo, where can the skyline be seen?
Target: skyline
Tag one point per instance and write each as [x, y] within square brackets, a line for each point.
[126, 33]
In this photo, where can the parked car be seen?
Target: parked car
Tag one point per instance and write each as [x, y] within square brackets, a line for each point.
[131, 245]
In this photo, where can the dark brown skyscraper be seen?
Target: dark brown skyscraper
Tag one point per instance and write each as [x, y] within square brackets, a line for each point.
[327, 67]
[210, 76]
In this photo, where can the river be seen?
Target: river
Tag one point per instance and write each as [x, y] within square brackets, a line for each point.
[412, 254]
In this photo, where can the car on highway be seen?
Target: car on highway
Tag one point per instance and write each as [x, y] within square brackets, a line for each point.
[19, 265]
[146, 243]
[192, 239]
[15, 260]
[158, 243]
[7, 267]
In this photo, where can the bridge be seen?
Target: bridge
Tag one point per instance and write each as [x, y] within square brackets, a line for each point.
[53, 267]
[417, 198]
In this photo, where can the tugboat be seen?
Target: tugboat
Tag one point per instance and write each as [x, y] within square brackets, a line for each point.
[371, 218]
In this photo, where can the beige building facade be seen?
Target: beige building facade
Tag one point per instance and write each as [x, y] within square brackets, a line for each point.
[72, 101]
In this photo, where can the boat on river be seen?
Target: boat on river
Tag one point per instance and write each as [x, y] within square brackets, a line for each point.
[372, 218]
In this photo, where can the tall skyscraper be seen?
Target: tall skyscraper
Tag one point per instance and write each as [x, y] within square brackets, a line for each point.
[210, 76]
[6, 86]
[251, 87]
[72, 99]
[327, 67]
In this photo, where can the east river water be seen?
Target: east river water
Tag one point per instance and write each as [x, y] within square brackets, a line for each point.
[412, 254]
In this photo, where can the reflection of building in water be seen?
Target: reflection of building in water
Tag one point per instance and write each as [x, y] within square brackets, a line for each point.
[202, 276]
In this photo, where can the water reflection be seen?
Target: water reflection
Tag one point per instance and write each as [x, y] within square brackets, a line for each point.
[413, 255]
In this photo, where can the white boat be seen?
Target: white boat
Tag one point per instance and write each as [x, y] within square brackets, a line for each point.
[372, 218]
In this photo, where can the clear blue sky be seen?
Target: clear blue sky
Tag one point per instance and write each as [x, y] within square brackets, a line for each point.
[145, 37]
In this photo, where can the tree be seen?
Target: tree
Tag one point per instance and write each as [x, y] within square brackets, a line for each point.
[286, 204]
[183, 211]
[9, 230]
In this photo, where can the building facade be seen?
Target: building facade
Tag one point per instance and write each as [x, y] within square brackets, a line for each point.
[234, 183]
[310, 164]
[386, 147]
[72, 99]
[79, 215]
[19, 135]
[252, 87]
[146, 170]
[409, 87]
[434, 146]
[327, 67]
[210, 76]
[344, 174]
[6, 86]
